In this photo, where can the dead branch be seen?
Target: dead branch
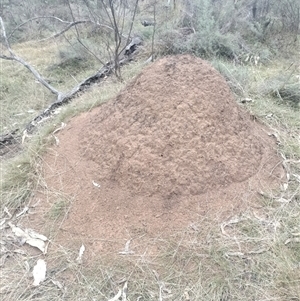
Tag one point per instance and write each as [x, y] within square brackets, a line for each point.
[78, 36]
[119, 59]
[69, 26]
[16, 58]
[115, 19]
[105, 71]
[35, 18]
[77, 23]
[7, 139]
[65, 29]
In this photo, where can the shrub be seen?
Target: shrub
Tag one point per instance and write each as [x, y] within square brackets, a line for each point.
[236, 76]
[197, 31]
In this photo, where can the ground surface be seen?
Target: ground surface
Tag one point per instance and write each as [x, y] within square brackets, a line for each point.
[173, 146]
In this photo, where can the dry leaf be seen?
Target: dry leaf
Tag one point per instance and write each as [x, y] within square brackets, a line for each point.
[7, 212]
[27, 266]
[124, 292]
[33, 234]
[58, 284]
[23, 211]
[126, 249]
[230, 222]
[19, 251]
[24, 136]
[96, 184]
[81, 251]
[37, 243]
[39, 272]
[282, 200]
[56, 140]
[186, 296]
[296, 239]
[239, 254]
[63, 125]
[297, 177]
[296, 234]
[30, 237]
[17, 231]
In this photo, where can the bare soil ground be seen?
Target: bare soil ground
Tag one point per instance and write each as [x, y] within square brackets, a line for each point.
[173, 146]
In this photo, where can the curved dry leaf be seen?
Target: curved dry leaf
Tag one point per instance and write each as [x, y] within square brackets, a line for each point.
[296, 239]
[63, 125]
[296, 234]
[96, 184]
[37, 243]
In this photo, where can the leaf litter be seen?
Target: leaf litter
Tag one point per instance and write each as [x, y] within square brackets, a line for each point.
[30, 237]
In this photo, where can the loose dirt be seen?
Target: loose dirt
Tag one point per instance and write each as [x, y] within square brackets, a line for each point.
[171, 147]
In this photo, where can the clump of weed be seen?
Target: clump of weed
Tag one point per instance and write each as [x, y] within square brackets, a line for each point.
[73, 59]
[237, 76]
[58, 209]
[289, 93]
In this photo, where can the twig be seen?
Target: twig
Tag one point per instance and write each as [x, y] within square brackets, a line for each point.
[35, 18]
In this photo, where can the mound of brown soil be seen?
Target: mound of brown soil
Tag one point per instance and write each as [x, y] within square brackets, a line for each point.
[172, 145]
[174, 131]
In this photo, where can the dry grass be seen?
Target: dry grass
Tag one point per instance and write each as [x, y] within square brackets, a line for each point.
[249, 257]
[253, 255]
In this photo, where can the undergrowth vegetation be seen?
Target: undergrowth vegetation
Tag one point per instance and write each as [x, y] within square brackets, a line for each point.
[253, 254]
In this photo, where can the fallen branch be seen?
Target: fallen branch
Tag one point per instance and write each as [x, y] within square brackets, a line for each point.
[85, 84]
[102, 73]
[62, 99]
[9, 138]
[124, 56]
[14, 57]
